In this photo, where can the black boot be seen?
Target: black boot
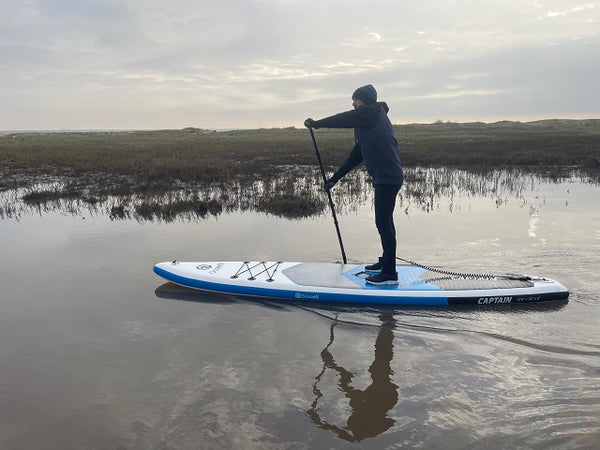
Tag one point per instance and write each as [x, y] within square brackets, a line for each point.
[383, 279]
[376, 267]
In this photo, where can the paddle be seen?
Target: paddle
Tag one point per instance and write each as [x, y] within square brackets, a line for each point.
[335, 221]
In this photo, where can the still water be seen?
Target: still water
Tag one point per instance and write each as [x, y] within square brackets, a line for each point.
[97, 352]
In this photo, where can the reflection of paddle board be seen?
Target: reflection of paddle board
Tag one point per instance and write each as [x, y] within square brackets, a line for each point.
[345, 283]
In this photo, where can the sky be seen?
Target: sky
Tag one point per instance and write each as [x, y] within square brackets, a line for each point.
[238, 64]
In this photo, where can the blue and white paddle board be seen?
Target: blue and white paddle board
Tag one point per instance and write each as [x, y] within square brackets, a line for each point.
[345, 283]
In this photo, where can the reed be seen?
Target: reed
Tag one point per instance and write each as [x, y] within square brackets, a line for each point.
[101, 164]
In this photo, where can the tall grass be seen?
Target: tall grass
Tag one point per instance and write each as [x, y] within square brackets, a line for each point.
[292, 195]
[160, 160]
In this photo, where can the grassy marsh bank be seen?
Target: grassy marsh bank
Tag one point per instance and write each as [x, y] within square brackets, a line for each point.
[100, 164]
[195, 155]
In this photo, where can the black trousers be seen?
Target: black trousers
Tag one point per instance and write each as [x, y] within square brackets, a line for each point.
[385, 202]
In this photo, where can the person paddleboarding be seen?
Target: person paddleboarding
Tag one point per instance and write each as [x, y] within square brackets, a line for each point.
[376, 146]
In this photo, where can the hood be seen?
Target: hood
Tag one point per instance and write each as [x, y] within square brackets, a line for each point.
[384, 106]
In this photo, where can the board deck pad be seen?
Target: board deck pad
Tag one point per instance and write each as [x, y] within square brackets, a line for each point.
[346, 283]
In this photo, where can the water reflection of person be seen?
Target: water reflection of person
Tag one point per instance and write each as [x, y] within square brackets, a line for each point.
[371, 405]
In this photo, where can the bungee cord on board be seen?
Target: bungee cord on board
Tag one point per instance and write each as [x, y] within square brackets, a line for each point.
[480, 276]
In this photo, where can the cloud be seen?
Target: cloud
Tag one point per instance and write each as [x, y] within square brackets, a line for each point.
[228, 63]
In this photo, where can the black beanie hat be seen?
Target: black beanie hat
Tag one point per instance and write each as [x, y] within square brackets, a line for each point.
[366, 93]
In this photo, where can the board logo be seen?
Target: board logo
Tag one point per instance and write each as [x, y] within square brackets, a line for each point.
[494, 300]
[217, 268]
[301, 296]
[203, 267]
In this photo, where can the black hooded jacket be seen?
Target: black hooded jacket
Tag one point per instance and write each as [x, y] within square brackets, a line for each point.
[375, 143]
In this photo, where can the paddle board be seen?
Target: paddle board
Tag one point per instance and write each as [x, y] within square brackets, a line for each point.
[346, 283]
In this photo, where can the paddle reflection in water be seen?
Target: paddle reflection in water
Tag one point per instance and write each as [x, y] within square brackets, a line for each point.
[370, 406]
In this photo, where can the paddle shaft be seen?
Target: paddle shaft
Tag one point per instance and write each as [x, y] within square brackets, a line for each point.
[335, 221]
